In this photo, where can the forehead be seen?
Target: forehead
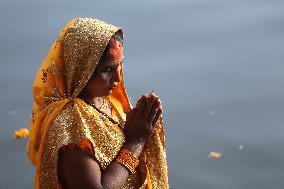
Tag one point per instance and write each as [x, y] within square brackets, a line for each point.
[114, 56]
[111, 62]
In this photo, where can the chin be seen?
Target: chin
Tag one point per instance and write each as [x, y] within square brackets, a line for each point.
[108, 92]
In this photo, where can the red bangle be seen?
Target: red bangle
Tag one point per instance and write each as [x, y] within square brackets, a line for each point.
[127, 159]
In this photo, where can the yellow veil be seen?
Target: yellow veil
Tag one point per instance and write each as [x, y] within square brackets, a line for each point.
[59, 117]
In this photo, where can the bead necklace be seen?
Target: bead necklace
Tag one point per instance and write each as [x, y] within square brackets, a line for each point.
[105, 115]
[104, 105]
[121, 120]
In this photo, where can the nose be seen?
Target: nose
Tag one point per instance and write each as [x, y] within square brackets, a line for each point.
[116, 75]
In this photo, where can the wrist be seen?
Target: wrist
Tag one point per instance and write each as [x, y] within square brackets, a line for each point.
[134, 146]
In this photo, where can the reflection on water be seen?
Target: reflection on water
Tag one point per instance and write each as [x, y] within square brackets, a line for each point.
[217, 66]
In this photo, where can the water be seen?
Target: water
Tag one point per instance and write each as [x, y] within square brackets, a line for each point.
[217, 66]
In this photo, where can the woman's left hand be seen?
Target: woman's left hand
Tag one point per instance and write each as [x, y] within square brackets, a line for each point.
[131, 114]
[141, 120]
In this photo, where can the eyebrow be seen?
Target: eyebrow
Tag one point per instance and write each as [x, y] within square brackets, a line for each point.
[113, 64]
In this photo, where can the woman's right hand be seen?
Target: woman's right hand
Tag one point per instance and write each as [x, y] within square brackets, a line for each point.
[141, 120]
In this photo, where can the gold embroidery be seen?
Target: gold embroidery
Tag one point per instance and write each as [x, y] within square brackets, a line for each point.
[44, 75]
[33, 114]
[54, 69]
[54, 96]
[73, 125]
[83, 46]
[75, 56]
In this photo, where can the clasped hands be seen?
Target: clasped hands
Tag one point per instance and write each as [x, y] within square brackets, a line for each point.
[141, 120]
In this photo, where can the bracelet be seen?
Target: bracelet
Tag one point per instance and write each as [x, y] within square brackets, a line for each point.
[127, 159]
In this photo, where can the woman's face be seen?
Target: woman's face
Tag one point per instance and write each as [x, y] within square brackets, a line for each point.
[105, 78]
[107, 74]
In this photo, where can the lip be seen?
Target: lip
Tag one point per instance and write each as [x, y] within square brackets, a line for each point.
[111, 88]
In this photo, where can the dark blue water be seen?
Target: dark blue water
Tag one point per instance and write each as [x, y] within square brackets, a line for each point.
[217, 66]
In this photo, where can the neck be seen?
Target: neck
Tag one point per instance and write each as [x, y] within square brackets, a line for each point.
[97, 101]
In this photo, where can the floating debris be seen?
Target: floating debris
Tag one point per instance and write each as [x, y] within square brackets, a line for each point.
[21, 133]
[214, 155]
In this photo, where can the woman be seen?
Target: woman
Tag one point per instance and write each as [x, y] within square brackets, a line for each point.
[84, 131]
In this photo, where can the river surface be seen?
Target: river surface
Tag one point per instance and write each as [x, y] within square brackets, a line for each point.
[217, 66]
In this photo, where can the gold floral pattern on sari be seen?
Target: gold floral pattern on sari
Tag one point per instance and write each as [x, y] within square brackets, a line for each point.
[59, 117]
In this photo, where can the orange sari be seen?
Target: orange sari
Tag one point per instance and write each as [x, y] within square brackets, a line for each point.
[60, 118]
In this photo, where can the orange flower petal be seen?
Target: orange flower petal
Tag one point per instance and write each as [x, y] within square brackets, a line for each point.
[215, 155]
[21, 133]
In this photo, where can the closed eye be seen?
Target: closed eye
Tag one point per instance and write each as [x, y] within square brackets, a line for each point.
[108, 69]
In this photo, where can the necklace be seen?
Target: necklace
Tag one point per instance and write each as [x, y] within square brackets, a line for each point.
[104, 105]
[105, 115]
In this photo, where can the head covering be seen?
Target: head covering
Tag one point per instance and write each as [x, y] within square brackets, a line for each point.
[59, 117]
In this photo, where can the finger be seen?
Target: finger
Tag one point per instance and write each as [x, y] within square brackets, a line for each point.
[148, 106]
[140, 99]
[154, 110]
[141, 106]
[157, 97]
[158, 115]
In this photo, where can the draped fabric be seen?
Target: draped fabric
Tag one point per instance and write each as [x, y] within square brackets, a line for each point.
[59, 117]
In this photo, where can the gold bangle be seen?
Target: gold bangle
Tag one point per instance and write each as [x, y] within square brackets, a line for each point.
[127, 159]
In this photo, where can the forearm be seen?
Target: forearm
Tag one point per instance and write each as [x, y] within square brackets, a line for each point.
[115, 175]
